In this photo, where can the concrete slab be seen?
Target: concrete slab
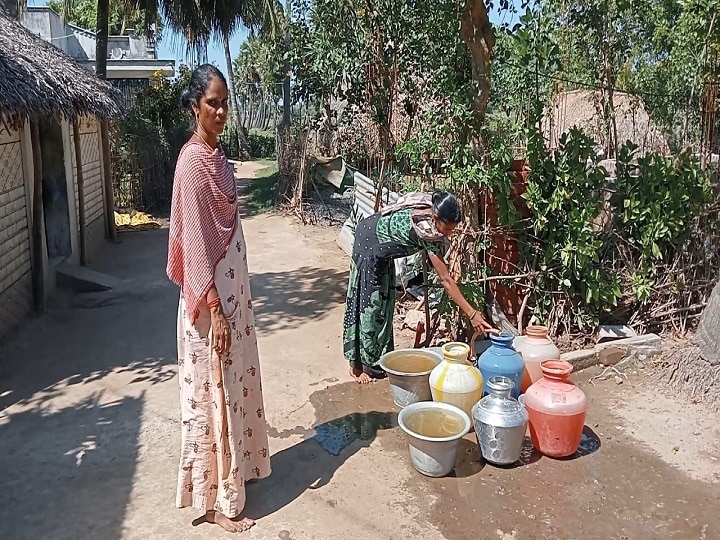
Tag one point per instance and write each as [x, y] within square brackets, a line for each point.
[84, 279]
[632, 342]
[616, 350]
[581, 359]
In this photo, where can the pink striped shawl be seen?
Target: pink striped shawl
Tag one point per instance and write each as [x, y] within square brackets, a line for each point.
[202, 220]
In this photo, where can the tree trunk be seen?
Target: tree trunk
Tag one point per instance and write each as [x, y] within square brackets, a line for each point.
[14, 8]
[109, 200]
[287, 120]
[326, 139]
[250, 113]
[101, 54]
[694, 367]
[609, 108]
[101, 38]
[708, 334]
[243, 146]
[477, 33]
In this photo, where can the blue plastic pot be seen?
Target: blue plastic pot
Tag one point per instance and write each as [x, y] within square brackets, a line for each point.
[501, 360]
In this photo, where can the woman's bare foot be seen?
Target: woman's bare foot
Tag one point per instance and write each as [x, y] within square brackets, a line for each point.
[360, 376]
[239, 524]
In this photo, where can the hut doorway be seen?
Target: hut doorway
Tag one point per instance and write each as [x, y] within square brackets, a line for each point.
[55, 192]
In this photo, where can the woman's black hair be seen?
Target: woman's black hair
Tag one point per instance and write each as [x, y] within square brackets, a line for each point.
[446, 207]
[199, 82]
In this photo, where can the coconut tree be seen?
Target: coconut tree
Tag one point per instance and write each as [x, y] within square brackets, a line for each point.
[13, 7]
[228, 17]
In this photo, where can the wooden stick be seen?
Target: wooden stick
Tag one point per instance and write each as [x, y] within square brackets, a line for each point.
[426, 286]
[521, 312]
[38, 223]
[81, 192]
[516, 277]
[109, 196]
[675, 311]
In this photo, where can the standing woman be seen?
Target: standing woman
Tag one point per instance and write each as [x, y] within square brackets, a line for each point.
[224, 434]
[416, 222]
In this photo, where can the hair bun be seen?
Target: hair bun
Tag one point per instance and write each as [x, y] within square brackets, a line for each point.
[185, 99]
[446, 207]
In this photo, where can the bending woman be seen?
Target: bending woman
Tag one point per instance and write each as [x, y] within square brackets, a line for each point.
[416, 222]
[224, 434]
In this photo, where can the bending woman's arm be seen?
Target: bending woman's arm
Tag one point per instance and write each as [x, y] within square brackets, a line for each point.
[476, 317]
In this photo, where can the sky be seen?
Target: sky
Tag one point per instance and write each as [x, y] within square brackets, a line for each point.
[172, 45]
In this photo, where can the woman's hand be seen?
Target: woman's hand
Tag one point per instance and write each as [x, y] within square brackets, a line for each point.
[481, 325]
[220, 331]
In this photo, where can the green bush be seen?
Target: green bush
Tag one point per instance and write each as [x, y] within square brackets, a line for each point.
[600, 247]
[146, 143]
[229, 141]
[262, 144]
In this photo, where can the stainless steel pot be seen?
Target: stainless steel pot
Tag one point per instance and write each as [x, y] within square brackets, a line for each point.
[500, 423]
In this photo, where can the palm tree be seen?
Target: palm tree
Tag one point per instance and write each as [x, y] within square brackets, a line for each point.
[198, 21]
[14, 8]
[101, 38]
[201, 21]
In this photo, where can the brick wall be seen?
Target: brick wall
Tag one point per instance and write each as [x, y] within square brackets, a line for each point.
[16, 295]
[92, 176]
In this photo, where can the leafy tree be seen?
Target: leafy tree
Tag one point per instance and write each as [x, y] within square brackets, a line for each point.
[664, 51]
[83, 13]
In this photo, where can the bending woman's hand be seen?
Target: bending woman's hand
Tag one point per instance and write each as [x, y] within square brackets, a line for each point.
[481, 325]
[476, 318]
[220, 331]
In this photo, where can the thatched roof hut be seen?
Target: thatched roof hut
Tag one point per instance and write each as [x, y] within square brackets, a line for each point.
[38, 79]
[583, 109]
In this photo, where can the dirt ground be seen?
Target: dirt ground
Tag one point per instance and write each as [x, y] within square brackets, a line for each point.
[89, 426]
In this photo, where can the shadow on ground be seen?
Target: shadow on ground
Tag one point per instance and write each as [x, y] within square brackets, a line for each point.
[109, 331]
[257, 194]
[312, 463]
[72, 391]
[68, 473]
[285, 299]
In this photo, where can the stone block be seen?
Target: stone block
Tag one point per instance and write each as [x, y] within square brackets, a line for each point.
[614, 352]
[610, 356]
[581, 359]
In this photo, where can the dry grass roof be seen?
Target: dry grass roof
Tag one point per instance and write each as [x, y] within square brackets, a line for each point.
[582, 109]
[39, 80]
